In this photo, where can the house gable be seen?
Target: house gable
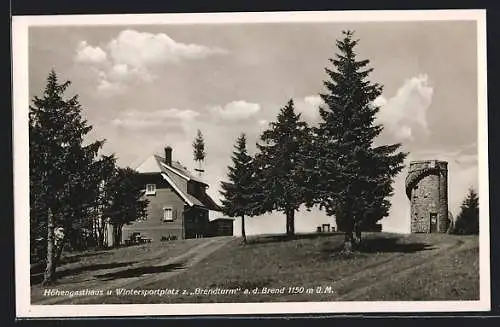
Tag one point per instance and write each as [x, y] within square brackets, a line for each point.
[191, 189]
[149, 166]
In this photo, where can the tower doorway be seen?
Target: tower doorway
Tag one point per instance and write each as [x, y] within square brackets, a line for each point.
[433, 218]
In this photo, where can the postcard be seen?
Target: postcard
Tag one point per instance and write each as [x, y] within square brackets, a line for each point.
[251, 163]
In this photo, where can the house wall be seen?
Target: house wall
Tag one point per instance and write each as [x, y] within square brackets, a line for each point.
[153, 226]
[196, 223]
[221, 227]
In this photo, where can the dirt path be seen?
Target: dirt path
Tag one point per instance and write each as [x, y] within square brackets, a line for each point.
[141, 274]
[365, 280]
[381, 270]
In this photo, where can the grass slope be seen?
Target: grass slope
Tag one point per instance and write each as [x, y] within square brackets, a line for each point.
[84, 270]
[388, 267]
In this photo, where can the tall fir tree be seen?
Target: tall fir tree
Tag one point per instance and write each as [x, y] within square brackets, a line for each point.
[280, 165]
[238, 191]
[467, 221]
[199, 153]
[61, 169]
[354, 177]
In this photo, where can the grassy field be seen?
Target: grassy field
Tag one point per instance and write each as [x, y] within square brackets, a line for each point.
[388, 267]
[87, 270]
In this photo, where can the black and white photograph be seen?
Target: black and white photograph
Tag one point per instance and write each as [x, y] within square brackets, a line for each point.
[233, 163]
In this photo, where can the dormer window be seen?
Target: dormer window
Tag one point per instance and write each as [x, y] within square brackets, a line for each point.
[150, 189]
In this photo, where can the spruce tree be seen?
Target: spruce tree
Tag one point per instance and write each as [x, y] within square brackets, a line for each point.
[238, 191]
[199, 150]
[354, 177]
[280, 165]
[62, 169]
[467, 221]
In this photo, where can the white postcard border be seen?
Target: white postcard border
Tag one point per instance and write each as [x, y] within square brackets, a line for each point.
[21, 103]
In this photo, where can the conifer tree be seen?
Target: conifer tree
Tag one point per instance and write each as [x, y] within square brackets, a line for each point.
[467, 221]
[280, 164]
[199, 150]
[354, 177]
[62, 169]
[238, 191]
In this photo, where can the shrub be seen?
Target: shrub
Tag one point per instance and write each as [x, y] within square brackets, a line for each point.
[168, 238]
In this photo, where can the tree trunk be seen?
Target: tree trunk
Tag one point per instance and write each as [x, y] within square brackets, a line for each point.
[59, 250]
[50, 270]
[117, 235]
[348, 223]
[243, 233]
[199, 168]
[114, 239]
[349, 237]
[357, 235]
[73, 242]
[348, 242]
[101, 232]
[95, 231]
[290, 223]
[119, 239]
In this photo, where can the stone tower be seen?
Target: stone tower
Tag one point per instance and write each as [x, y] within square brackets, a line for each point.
[427, 190]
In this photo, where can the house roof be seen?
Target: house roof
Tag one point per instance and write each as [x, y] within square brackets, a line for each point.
[150, 165]
[178, 177]
[177, 168]
[217, 215]
[156, 164]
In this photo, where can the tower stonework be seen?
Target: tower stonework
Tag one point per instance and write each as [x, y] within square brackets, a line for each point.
[427, 190]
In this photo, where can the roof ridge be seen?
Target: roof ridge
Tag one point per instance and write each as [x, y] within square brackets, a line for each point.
[182, 170]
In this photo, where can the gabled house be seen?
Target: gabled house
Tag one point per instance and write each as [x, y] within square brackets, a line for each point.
[179, 206]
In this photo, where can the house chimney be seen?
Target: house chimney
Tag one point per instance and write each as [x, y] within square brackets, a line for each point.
[168, 156]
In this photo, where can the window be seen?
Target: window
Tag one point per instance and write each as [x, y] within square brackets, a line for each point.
[168, 214]
[150, 189]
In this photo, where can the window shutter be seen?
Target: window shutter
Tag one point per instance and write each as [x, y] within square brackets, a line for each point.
[174, 214]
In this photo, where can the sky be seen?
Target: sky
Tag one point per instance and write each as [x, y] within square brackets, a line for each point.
[145, 87]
